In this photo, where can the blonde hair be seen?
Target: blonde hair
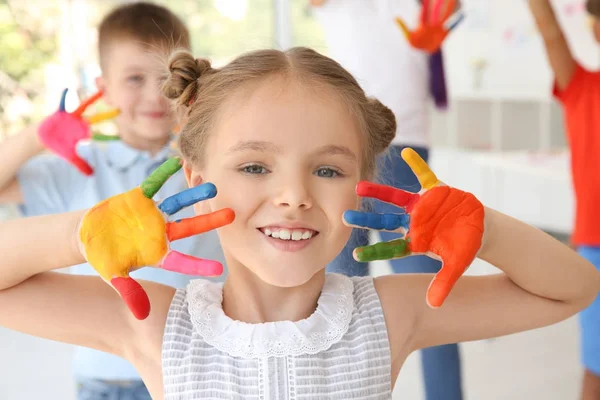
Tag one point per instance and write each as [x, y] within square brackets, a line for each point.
[147, 23]
[199, 90]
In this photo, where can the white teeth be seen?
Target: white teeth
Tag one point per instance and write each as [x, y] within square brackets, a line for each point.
[286, 234]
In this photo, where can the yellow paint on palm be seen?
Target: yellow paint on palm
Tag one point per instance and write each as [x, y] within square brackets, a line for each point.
[137, 221]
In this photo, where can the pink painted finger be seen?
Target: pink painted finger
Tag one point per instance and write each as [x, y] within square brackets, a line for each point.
[134, 296]
[388, 194]
[189, 265]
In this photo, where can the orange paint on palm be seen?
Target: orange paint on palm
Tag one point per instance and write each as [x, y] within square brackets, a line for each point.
[449, 223]
[135, 219]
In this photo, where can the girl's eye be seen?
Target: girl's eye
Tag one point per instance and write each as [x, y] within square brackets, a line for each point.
[254, 169]
[327, 173]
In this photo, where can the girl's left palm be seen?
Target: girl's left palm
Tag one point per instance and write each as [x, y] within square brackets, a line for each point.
[442, 222]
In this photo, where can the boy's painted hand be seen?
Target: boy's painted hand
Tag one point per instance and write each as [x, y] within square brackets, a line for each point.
[62, 131]
[130, 231]
[440, 221]
[433, 27]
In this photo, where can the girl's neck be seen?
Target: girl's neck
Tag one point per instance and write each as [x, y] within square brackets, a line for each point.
[249, 299]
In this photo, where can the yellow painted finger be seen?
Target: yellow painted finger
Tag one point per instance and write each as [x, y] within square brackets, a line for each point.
[420, 168]
[94, 119]
[403, 27]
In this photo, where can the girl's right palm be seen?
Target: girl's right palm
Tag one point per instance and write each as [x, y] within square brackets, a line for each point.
[130, 231]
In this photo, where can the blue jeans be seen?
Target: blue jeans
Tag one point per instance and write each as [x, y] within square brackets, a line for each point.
[589, 320]
[441, 364]
[100, 390]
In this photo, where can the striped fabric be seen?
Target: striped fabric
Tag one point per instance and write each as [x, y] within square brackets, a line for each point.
[356, 366]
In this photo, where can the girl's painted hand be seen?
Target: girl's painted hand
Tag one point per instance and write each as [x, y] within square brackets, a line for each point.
[61, 131]
[130, 231]
[433, 27]
[440, 221]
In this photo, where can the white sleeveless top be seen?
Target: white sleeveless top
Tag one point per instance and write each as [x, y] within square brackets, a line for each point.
[340, 352]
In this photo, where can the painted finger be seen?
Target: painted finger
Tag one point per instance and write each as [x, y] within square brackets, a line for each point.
[380, 222]
[442, 284]
[81, 165]
[403, 28]
[202, 223]
[188, 265]
[86, 103]
[420, 168]
[134, 296]
[175, 203]
[383, 251]
[453, 23]
[152, 184]
[388, 194]
[448, 11]
[103, 116]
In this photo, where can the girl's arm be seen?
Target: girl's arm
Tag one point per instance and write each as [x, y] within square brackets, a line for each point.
[81, 310]
[543, 283]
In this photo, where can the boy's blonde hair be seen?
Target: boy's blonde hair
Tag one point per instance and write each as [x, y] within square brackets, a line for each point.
[199, 91]
[147, 23]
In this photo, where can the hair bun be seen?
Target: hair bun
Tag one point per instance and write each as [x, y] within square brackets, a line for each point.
[184, 71]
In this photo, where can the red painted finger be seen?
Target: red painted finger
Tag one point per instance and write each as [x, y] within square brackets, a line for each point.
[424, 12]
[388, 194]
[81, 165]
[134, 296]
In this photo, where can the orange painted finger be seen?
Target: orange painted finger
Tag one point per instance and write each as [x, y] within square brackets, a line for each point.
[86, 103]
[420, 168]
[199, 224]
[448, 11]
[442, 284]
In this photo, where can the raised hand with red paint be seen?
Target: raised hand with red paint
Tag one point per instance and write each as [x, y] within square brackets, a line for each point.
[440, 221]
[61, 131]
[130, 231]
[434, 25]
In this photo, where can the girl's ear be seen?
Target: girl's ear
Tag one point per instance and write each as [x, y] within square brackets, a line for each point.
[192, 178]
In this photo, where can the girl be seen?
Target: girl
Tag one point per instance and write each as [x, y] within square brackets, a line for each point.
[285, 136]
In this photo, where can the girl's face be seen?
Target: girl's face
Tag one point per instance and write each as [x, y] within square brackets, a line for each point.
[287, 161]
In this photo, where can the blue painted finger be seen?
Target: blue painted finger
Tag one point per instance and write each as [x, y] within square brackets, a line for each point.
[174, 203]
[385, 222]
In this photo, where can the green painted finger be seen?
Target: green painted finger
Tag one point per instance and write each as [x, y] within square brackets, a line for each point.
[154, 182]
[104, 138]
[383, 251]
